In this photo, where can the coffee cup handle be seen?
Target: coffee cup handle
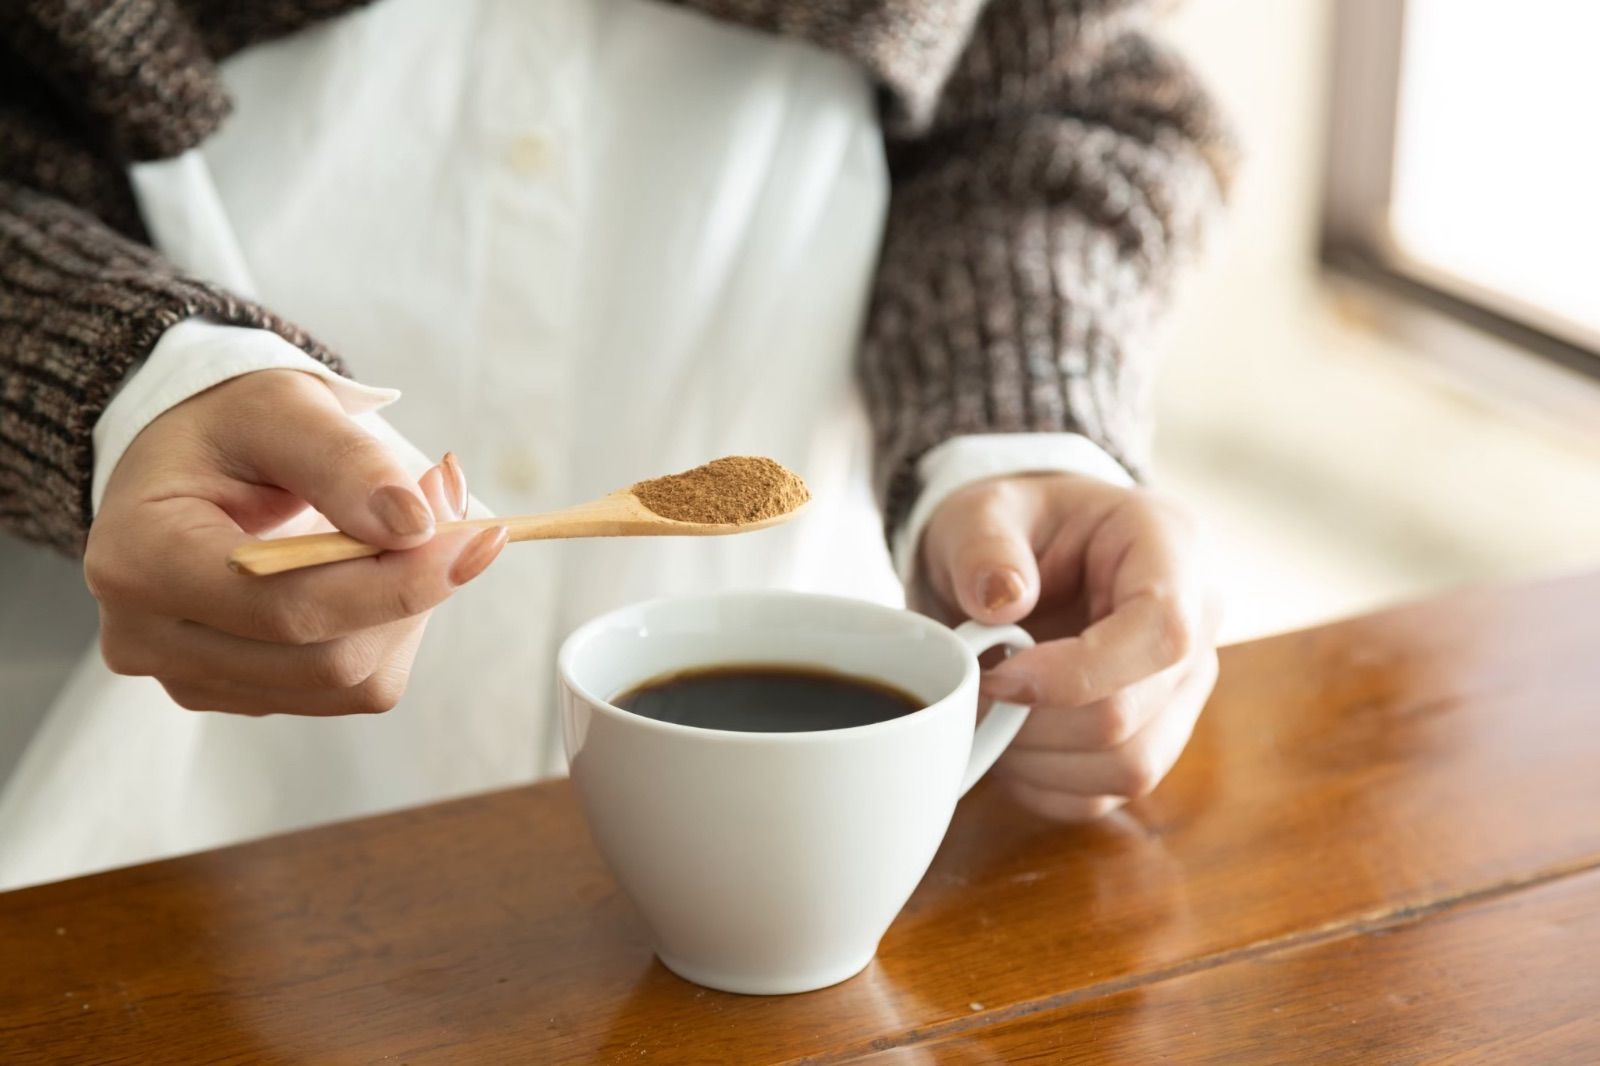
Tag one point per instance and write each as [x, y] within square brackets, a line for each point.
[1000, 726]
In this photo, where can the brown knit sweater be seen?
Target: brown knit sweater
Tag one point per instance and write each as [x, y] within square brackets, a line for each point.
[1051, 166]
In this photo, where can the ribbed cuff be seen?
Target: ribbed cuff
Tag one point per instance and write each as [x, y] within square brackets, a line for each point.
[80, 306]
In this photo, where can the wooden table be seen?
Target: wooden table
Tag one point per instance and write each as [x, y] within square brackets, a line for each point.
[1383, 845]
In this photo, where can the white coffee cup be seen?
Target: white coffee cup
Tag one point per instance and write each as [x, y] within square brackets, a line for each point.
[768, 863]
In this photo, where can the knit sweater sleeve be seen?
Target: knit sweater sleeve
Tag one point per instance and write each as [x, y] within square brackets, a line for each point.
[82, 299]
[80, 305]
[1044, 195]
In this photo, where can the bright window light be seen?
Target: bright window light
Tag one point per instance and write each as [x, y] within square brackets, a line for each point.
[1497, 154]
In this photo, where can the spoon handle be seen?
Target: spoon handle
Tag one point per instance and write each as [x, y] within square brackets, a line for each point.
[262, 557]
[617, 515]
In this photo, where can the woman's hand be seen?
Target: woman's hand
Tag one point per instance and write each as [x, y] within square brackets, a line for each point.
[240, 459]
[1108, 580]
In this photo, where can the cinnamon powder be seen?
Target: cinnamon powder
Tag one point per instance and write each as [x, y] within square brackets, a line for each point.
[738, 489]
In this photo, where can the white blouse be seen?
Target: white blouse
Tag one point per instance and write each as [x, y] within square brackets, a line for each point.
[589, 241]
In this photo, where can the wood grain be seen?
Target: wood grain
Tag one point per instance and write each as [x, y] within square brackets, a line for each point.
[1341, 776]
[1512, 979]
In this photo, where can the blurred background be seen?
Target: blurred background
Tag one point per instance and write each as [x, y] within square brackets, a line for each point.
[1425, 411]
[1384, 383]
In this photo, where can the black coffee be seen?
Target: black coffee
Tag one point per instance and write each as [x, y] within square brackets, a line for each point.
[767, 699]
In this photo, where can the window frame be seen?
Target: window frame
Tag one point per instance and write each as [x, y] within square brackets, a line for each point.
[1358, 173]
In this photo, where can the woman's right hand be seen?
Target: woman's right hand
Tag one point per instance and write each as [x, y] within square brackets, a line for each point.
[246, 457]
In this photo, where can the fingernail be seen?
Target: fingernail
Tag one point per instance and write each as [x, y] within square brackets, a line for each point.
[455, 483]
[478, 554]
[1001, 588]
[405, 514]
[1008, 688]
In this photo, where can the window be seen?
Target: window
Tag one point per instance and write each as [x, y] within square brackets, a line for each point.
[1464, 163]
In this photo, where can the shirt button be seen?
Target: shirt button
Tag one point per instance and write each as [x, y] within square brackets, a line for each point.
[529, 155]
[518, 471]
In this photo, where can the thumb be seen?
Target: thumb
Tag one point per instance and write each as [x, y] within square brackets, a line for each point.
[315, 451]
[979, 558]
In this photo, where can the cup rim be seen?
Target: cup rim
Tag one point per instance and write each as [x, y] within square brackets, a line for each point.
[569, 649]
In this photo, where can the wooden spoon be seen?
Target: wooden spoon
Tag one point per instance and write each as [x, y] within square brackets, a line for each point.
[620, 514]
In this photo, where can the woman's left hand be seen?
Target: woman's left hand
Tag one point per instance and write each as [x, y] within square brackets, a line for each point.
[1110, 582]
